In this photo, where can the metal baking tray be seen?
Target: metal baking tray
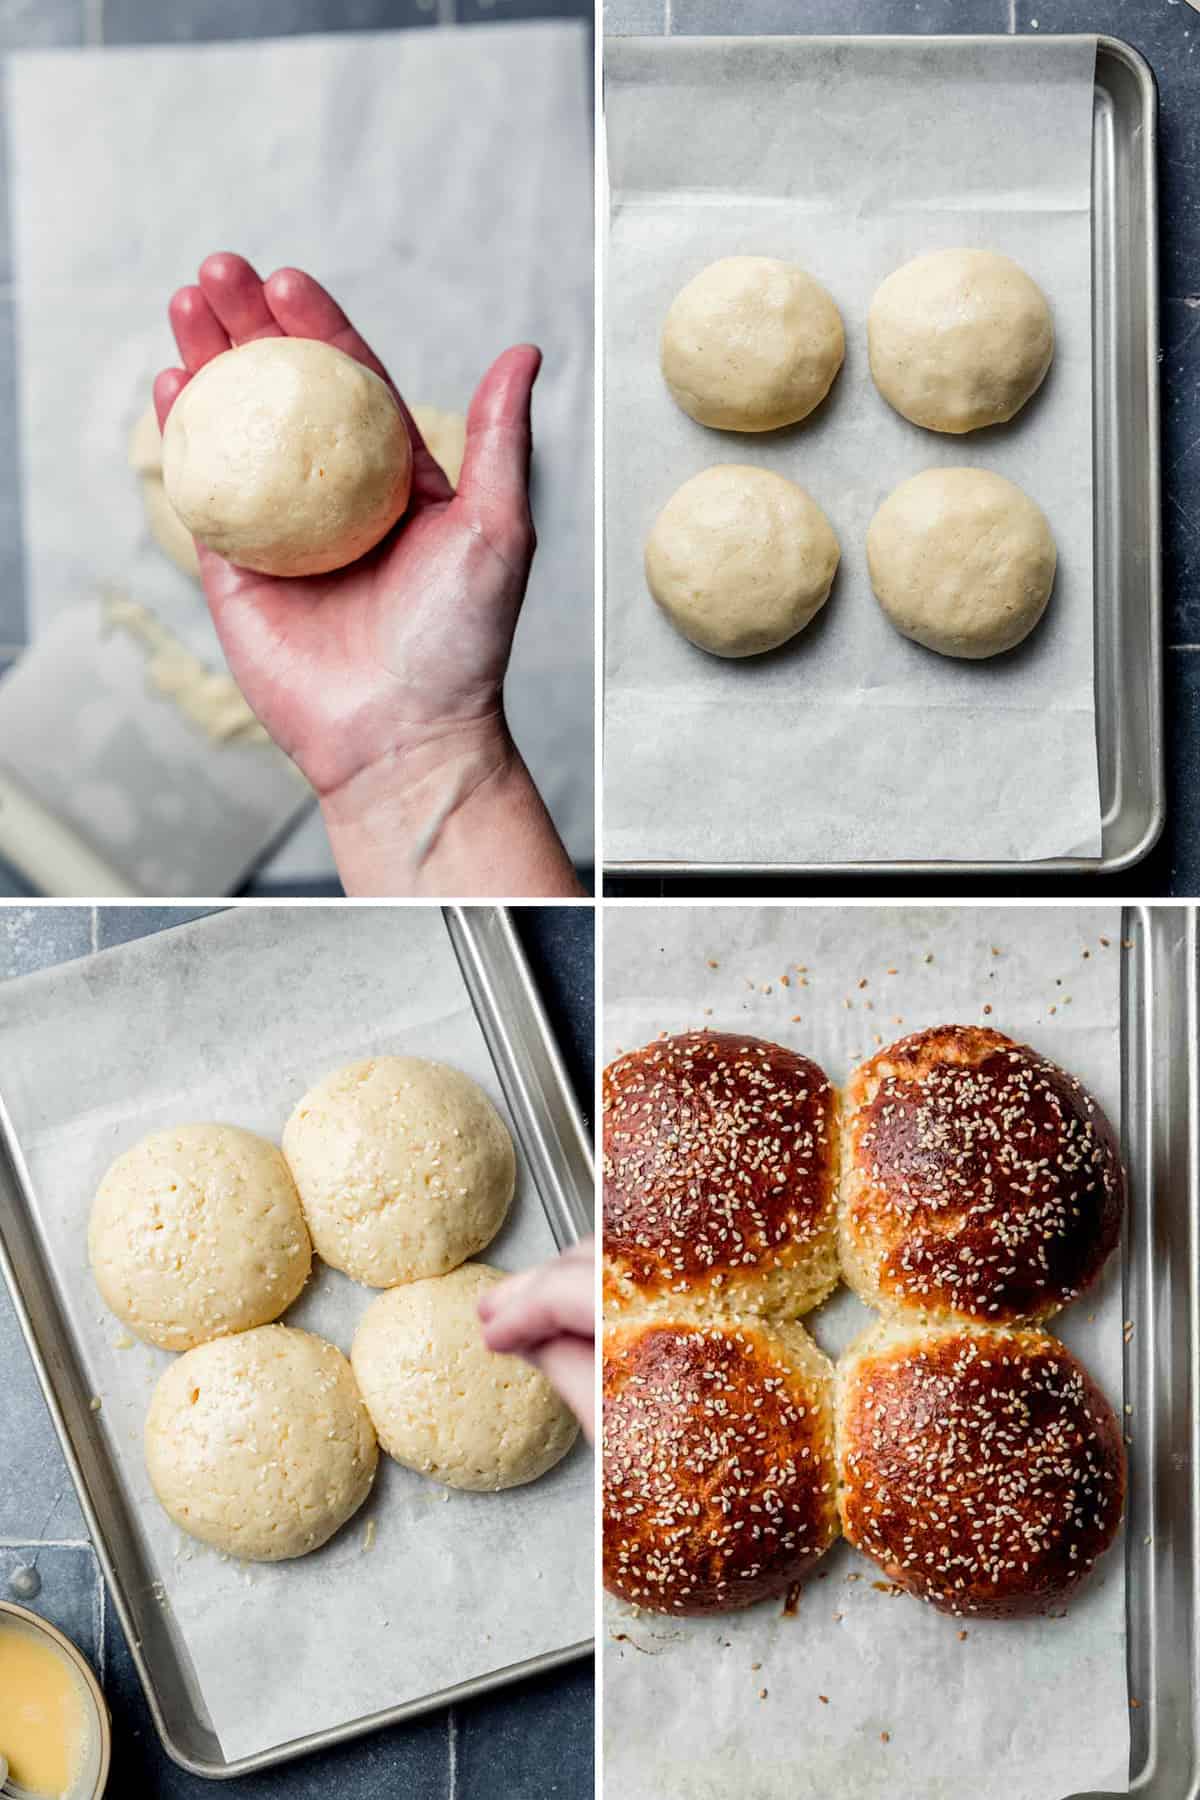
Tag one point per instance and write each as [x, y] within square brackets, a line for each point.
[557, 1150]
[1128, 553]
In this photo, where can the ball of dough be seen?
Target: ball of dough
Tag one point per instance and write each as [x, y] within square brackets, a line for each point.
[442, 1402]
[961, 560]
[197, 1232]
[740, 560]
[959, 339]
[166, 527]
[260, 1444]
[751, 344]
[445, 435]
[287, 456]
[404, 1168]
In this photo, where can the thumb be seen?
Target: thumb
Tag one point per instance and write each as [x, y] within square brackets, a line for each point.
[494, 483]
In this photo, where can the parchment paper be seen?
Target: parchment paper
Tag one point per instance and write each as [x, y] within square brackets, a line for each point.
[231, 1019]
[438, 182]
[849, 158]
[1028, 1710]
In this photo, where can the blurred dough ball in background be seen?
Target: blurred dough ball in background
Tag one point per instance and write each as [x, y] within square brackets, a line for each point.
[197, 1232]
[166, 527]
[751, 344]
[740, 559]
[442, 1402]
[962, 561]
[260, 1444]
[287, 457]
[959, 339]
[445, 435]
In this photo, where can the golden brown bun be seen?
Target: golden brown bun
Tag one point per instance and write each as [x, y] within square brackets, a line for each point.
[718, 1461]
[980, 1466]
[720, 1163]
[977, 1179]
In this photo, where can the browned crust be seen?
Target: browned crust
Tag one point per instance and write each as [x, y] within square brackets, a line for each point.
[982, 1470]
[719, 1157]
[980, 1178]
[718, 1467]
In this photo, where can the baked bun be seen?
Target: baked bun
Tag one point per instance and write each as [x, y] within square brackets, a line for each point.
[718, 1461]
[980, 1466]
[978, 1179]
[720, 1162]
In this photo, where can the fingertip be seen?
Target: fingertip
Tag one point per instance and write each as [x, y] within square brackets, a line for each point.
[286, 284]
[167, 388]
[223, 268]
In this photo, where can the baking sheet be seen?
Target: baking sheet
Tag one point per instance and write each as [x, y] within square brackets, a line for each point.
[848, 156]
[984, 1716]
[438, 182]
[232, 1018]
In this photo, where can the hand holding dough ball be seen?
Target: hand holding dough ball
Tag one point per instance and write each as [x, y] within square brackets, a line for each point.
[959, 339]
[196, 1233]
[166, 527]
[740, 560]
[962, 561]
[287, 457]
[445, 1405]
[445, 435]
[260, 1444]
[404, 1168]
[751, 344]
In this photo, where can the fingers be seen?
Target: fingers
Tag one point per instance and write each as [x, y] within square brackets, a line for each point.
[539, 1305]
[167, 388]
[237, 297]
[569, 1364]
[494, 482]
[199, 333]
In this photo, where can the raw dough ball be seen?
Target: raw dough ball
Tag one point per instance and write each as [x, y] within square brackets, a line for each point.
[740, 560]
[442, 1402]
[260, 1444]
[962, 561]
[404, 1167]
[959, 339]
[445, 435]
[287, 456]
[166, 527]
[197, 1232]
[751, 344]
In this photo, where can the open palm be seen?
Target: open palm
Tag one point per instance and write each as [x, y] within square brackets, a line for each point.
[408, 646]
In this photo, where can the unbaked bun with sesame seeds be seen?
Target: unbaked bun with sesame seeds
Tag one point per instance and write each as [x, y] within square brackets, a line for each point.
[720, 1160]
[404, 1168]
[979, 1466]
[718, 1459]
[978, 1179]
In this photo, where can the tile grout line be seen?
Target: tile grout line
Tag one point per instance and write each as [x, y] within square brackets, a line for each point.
[1012, 18]
[93, 23]
[95, 929]
[447, 13]
[27, 1543]
[668, 17]
[452, 1750]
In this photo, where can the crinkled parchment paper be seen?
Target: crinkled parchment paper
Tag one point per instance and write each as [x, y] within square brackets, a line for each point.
[1026, 1710]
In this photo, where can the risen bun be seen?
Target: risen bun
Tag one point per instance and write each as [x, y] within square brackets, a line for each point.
[720, 1158]
[980, 1467]
[718, 1461]
[978, 1179]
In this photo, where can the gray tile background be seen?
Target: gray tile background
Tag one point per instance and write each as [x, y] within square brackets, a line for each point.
[1167, 32]
[529, 1742]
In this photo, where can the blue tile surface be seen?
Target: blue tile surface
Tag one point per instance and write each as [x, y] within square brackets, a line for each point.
[37, 937]
[832, 17]
[122, 924]
[207, 21]
[560, 944]
[70, 1593]
[12, 575]
[474, 12]
[1181, 460]
[532, 1742]
[37, 1499]
[40, 24]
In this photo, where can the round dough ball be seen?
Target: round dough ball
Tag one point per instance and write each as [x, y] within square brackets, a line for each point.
[751, 344]
[166, 527]
[197, 1232]
[260, 1444]
[962, 561]
[287, 456]
[404, 1168]
[442, 1402]
[959, 339]
[740, 560]
[445, 435]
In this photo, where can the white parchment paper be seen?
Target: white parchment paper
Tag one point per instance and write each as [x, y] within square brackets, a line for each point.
[852, 743]
[1025, 1710]
[231, 1019]
[438, 182]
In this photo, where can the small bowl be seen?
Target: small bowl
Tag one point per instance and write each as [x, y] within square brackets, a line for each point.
[94, 1777]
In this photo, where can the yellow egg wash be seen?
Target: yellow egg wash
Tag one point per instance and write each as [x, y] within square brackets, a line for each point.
[43, 1713]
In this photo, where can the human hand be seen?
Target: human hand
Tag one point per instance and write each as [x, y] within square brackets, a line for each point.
[548, 1316]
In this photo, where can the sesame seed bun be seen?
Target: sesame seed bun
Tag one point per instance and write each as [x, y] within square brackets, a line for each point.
[720, 1162]
[978, 1180]
[980, 1466]
[718, 1461]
